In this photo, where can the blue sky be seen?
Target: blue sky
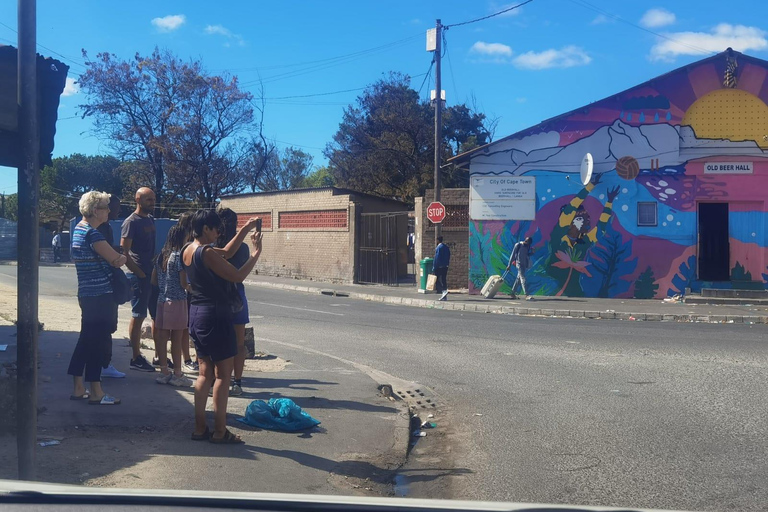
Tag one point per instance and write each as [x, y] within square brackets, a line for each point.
[546, 58]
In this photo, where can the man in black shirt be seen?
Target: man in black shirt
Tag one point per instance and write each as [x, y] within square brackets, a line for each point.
[105, 228]
[138, 243]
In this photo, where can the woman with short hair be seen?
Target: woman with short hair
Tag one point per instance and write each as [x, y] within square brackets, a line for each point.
[94, 256]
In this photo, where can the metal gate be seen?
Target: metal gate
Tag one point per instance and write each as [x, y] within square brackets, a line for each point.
[378, 248]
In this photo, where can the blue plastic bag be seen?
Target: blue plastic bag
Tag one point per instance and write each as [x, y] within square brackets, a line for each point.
[278, 414]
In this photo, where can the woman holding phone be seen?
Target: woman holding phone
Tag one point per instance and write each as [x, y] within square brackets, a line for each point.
[210, 321]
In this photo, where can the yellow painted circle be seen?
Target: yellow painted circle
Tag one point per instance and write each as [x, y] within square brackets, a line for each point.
[730, 114]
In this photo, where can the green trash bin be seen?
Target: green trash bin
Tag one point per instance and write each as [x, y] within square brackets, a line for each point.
[425, 270]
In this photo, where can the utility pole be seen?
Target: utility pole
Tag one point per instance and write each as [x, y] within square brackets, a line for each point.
[438, 117]
[29, 243]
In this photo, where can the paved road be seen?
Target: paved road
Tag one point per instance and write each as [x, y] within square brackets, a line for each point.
[655, 415]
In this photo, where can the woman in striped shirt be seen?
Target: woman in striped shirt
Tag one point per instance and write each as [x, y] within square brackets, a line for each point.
[93, 257]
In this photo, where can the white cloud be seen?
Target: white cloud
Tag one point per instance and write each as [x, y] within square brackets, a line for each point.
[739, 37]
[566, 57]
[521, 100]
[220, 30]
[169, 23]
[491, 49]
[71, 88]
[600, 19]
[655, 18]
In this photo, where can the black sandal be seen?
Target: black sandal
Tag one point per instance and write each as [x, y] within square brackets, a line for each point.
[202, 437]
[229, 438]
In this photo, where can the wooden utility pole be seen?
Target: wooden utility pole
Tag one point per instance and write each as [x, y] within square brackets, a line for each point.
[28, 241]
[438, 117]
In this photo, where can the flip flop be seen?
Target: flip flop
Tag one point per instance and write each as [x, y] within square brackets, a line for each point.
[84, 396]
[105, 400]
[202, 437]
[229, 438]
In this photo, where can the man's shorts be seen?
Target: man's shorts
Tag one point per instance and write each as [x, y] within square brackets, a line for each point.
[142, 289]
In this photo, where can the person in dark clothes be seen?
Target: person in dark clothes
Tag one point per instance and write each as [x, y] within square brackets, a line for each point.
[440, 268]
[210, 321]
[237, 256]
[521, 258]
[138, 243]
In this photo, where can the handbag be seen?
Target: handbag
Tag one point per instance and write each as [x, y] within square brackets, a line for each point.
[122, 291]
[431, 282]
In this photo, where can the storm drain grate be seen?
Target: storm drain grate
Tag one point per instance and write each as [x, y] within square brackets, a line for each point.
[416, 398]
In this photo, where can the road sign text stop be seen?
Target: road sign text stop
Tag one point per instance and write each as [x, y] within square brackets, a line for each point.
[436, 212]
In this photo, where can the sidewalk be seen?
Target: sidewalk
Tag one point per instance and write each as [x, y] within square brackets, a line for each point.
[564, 307]
[144, 442]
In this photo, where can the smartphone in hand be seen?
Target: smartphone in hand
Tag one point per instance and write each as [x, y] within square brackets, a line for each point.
[258, 225]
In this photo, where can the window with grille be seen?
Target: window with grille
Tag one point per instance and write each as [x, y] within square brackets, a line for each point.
[313, 219]
[647, 214]
[456, 216]
[266, 219]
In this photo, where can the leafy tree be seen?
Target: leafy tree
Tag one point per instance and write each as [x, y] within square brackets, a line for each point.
[320, 177]
[205, 145]
[179, 122]
[645, 285]
[9, 207]
[286, 171]
[385, 142]
[67, 178]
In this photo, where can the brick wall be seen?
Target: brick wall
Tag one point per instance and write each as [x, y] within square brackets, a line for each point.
[455, 233]
[318, 253]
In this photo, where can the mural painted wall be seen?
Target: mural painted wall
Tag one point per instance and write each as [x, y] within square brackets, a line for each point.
[678, 142]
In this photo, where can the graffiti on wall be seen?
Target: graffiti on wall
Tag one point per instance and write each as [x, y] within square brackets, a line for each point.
[634, 229]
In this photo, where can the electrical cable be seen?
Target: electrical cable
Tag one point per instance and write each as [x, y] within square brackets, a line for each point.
[587, 5]
[487, 17]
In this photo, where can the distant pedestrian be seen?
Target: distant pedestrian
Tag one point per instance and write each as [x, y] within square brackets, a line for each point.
[56, 246]
[138, 243]
[521, 257]
[172, 315]
[93, 257]
[440, 268]
[210, 321]
[109, 235]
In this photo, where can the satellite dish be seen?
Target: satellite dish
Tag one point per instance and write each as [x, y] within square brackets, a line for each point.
[586, 169]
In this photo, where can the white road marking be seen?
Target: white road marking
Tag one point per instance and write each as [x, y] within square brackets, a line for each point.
[300, 309]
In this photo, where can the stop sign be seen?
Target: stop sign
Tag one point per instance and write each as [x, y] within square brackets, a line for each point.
[436, 212]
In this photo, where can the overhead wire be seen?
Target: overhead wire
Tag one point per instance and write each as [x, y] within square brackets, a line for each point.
[427, 75]
[328, 63]
[489, 16]
[338, 57]
[82, 65]
[599, 10]
[450, 64]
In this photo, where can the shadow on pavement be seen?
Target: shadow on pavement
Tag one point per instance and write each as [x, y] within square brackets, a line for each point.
[317, 402]
[351, 468]
[300, 384]
[95, 441]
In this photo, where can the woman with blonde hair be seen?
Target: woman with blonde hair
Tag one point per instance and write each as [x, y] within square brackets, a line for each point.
[94, 257]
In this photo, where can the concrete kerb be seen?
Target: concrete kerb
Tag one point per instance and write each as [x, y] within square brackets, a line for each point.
[519, 311]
